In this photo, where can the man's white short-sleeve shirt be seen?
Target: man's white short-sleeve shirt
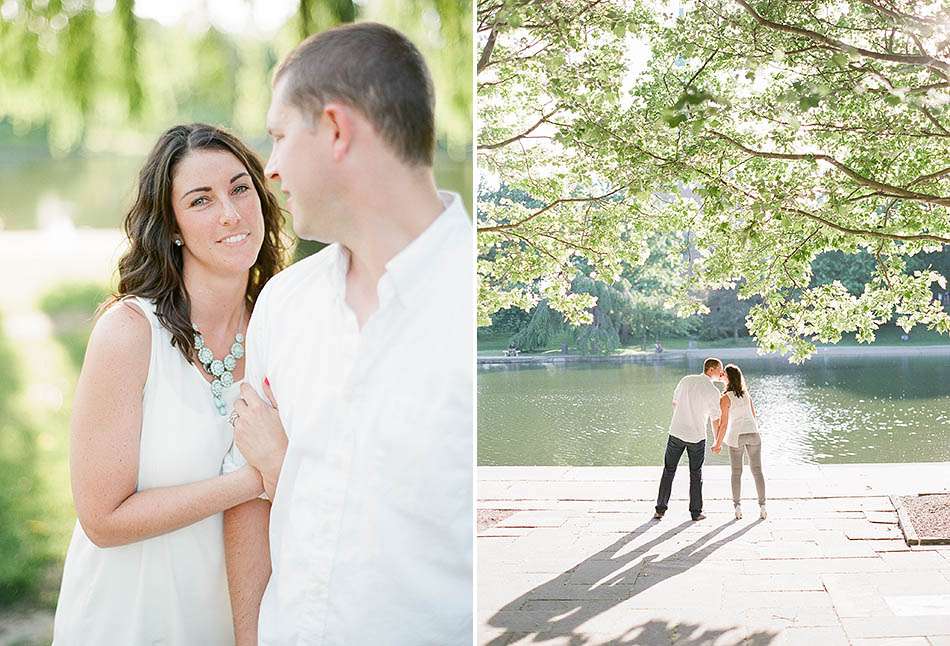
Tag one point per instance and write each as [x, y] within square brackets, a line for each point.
[371, 525]
[697, 400]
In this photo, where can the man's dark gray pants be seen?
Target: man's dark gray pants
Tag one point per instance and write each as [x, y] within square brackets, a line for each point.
[674, 451]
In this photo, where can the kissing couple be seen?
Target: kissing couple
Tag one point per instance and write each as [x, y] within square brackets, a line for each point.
[697, 401]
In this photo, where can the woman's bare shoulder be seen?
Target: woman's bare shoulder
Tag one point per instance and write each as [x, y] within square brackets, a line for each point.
[121, 338]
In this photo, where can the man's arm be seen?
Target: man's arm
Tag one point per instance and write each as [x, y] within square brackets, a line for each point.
[247, 554]
[247, 526]
[723, 423]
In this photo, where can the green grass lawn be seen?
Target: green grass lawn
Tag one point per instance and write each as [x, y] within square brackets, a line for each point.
[36, 387]
[488, 343]
[34, 512]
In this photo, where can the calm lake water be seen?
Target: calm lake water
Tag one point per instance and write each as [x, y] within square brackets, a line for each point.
[830, 410]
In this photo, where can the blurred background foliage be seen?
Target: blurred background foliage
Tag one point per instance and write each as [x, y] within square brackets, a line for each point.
[86, 86]
[105, 75]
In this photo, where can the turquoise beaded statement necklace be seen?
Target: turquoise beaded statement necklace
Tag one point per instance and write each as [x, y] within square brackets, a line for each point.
[221, 369]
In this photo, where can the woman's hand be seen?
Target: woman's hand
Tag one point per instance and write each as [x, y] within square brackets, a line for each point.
[259, 434]
[723, 423]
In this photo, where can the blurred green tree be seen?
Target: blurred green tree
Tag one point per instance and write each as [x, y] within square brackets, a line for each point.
[99, 76]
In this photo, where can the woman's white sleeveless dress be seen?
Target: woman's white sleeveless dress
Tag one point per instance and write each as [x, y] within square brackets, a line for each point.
[741, 419]
[170, 590]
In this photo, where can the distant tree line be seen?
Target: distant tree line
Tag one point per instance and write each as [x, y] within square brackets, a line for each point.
[637, 309]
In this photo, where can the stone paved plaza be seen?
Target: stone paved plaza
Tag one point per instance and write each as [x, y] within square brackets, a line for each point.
[580, 560]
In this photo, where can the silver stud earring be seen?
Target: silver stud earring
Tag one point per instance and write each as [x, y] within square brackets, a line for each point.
[178, 242]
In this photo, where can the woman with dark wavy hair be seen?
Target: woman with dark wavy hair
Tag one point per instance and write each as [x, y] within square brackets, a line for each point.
[738, 429]
[149, 425]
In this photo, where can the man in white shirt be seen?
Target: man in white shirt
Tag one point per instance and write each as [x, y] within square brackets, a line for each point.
[695, 402]
[367, 349]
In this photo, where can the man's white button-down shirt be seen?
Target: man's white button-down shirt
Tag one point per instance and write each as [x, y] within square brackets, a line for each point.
[371, 525]
[696, 400]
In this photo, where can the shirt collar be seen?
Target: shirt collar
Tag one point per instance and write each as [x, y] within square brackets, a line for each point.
[408, 269]
[340, 265]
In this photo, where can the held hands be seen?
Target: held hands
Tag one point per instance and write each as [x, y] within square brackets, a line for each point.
[259, 434]
[717, 448]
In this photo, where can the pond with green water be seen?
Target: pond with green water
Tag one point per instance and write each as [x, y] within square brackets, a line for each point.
[844, 409]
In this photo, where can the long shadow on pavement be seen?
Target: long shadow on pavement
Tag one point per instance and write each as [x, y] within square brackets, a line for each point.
[616, 583]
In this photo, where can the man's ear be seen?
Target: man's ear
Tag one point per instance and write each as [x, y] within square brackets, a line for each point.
[338, 119]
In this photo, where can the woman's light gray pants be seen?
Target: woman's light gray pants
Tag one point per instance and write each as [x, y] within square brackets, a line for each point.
[752, 444]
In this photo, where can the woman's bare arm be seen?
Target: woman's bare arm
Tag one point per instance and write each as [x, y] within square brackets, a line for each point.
[723, 420]
[104, 445]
